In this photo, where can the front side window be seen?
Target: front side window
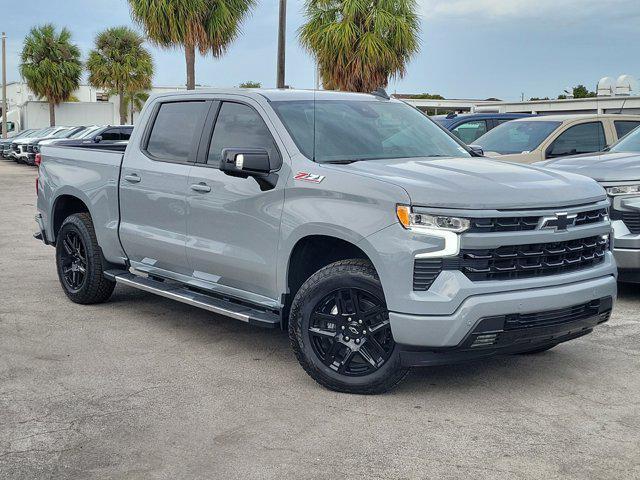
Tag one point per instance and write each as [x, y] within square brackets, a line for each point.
[239, 126]
[629, 144]
[469, 132]
[583, 138]
[355, 130]
[624, 127]
[125, 133]
[174, 130]
[517, 137]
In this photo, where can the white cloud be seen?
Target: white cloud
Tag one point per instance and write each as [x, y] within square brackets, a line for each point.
[524, 9]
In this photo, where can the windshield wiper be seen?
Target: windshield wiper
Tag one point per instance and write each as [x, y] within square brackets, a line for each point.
[342, 162]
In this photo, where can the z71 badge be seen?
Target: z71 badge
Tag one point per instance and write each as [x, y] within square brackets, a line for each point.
[309, 177]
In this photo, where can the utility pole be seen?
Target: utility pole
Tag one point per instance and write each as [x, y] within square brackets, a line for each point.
[282, 32]
[5, 134]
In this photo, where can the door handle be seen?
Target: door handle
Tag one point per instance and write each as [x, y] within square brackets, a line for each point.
[201, 187]
[133, 178]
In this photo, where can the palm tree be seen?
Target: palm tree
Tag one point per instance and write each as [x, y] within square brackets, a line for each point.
[134, 102]
[51, 66]
[208, 25]
[360, 44]
[120, 64]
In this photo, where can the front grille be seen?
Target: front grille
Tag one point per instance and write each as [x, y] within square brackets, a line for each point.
[630, 219]
[522, 261]
[515, 261]
[518, 224]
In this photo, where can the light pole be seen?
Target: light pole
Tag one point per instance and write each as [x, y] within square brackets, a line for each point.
[5, 134]
[282, 31]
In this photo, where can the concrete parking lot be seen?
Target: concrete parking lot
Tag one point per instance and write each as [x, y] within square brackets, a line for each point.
[142, 387]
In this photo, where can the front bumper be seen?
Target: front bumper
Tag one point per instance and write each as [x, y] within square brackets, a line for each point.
[441, 331]
[492, 336]
[626, 249]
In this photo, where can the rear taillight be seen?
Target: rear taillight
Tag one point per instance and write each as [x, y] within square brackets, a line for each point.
[38, 159]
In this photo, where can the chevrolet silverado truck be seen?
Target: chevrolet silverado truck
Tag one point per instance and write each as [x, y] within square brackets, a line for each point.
[617, 169]
[374, 236]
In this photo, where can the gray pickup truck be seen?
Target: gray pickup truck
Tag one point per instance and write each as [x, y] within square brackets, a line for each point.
[352, 220]
[617, 169]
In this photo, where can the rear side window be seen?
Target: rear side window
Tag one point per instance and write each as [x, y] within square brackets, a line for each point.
[174, 130]
[111, 135]
[583, 138]
[239, 126]
[470, 131]
[623, 127]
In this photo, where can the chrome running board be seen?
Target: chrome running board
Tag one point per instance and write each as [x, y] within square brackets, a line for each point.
[177, 291]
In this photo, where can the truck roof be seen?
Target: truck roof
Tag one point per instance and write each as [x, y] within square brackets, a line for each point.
[279, 95]
[569, 117]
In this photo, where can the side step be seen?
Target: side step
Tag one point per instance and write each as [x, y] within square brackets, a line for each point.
[177, 291]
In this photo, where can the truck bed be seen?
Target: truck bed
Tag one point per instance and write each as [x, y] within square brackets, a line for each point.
[91, 175]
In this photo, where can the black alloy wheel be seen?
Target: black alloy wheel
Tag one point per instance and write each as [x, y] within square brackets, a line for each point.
[73, 261]
[350, 332]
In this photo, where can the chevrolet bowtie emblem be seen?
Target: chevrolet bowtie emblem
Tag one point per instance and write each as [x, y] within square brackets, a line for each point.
[560, 222]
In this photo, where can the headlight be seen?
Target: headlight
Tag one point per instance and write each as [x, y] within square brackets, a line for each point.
[410, 220]
[623, 190]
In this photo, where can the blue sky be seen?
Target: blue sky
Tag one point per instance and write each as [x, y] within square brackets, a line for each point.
[470, 48]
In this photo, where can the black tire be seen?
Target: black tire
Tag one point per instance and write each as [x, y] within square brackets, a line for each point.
[537, 350]
[382, 372]
[82, 252]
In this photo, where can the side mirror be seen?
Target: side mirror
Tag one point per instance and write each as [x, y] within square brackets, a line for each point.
[249, 162]
[245, 162]
[98, 139]
[477, 149]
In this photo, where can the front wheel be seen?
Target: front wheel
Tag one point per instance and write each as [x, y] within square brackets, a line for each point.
[340, 332]
[79, 261]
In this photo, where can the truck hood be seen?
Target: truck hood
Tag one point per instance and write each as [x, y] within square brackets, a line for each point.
[513, 157]
[480, 183]
[603, 167]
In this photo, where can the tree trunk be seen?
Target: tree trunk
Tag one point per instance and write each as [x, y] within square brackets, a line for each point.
[190, 56]
[52, 114]
[123, 108]
[131, 106]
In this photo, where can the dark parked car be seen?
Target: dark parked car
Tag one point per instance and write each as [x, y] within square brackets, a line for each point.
[109, 138]
[469, 127]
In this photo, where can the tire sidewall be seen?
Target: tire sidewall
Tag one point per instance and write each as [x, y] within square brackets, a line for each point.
[76, 224]
[302, 309]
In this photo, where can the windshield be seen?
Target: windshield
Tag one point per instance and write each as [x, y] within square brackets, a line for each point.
[64, 133]
[628, 144]
[516, 137]
[352, 130]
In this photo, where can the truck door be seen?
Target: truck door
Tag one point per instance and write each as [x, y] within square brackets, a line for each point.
[153, 185]
[233, 226]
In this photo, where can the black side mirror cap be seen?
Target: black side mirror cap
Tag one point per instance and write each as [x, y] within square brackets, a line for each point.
[477, 149]
[249, 162]
[245, 162]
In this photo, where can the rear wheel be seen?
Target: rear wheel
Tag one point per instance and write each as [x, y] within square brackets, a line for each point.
[79, 261]
[339, 329]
